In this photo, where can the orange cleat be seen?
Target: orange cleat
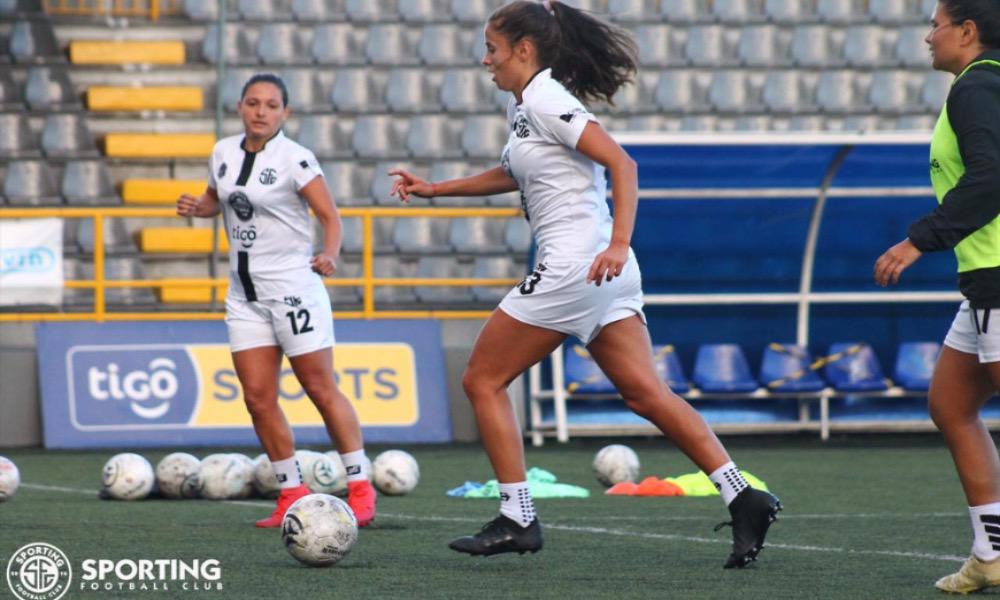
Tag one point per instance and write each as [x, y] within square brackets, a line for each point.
[361, 499]
[285, 500]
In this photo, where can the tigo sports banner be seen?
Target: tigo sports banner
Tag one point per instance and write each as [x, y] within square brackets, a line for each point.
[161, 384]
[31, 266]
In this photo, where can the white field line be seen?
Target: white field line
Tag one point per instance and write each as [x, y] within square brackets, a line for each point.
[625, 533]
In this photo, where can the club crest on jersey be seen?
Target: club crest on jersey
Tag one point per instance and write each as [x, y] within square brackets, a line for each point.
[521, 127]
[268, 176]
[222, 171]
[241, 206]
[293, 301]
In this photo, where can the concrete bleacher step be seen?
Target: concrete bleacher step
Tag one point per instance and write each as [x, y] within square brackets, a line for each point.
[159, 145]
[124, 52]
[180, 240]
[174, 98]
[160, 191]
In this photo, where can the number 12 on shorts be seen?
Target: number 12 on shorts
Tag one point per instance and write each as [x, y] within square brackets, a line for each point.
[296, 317]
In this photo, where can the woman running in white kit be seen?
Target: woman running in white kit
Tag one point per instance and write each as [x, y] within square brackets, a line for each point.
[276, 301]
[587, 281]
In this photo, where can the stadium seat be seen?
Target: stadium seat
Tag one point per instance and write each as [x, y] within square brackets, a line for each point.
[911, 50]
[444, 45]
[582, 375]
[435, 136]
[517, 235]
[786, 368]
[646, 123]
[349, 182]
[125, 52]
[722, 368]
[338, 44]
[10, 91]
[463, 90]
[738, 12]
[853, 367]
[653, 41]
[484, 136]
[88, 183]
[199, 10]
[787, 11]
[920, 123]
[934, 90]
[29, 183]
[127, 268]
[434, 267]
[421, 235]
[682, 90]
[67, 136]
[160, 191]
[632, 11]
[77, 270]
[806, 123]
[16, 138]
[365, 11]
[50, 89]
[238, 46]
[866, 46]
[637, 96]
[891, 92]
[841, 11]
[477, 235]
[762, 46]
[305, 91]
[392, 44]
[810, 46]
[159, 145]
[394, 267]
[472, 11]
[424, 11]
[117, 241]
[413, 90]
[327, 135]
[34, 41]
[282, 44]
[359, 90]
[232, 86]
[275, 10]
[927, 9]
[684, 11]
[837, 91]
[379, 137]
[494, 267]
[783, 92]
[706, 46]
[892, 12]
[915, 365]
[319, 10]
[445, 170]
[352, 235]
[350, 295]
[167, 98]
[729, 92]
[668, 367]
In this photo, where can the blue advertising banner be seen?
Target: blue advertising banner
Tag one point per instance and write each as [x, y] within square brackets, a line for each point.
[172, 384]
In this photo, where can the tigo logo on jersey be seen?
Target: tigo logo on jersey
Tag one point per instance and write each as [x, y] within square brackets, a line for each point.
[114, 386]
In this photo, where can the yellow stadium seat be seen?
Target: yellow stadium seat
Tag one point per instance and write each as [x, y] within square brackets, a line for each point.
[159, 145]
[189, 295]
[160, 191]
[181, 98]
[110, 52]
[180, 240]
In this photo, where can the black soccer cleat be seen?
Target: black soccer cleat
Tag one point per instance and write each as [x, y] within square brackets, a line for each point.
[753, 511]
[501, 535]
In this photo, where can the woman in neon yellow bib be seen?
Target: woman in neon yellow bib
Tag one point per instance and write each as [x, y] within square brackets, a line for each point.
[965, 171]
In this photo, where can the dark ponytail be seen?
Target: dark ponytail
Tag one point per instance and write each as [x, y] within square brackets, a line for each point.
[984, 13]
[588, 56]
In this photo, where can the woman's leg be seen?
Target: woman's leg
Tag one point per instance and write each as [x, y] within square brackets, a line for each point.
[258, 370]
[314, 371]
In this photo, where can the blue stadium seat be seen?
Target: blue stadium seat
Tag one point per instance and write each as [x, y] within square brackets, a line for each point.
[915, 365]
[785, 368]
[855, 368]
[722, 368]
[668, 367]
[582, 374]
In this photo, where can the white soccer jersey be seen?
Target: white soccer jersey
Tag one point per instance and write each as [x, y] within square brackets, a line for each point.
[563, 193]
[270, 241]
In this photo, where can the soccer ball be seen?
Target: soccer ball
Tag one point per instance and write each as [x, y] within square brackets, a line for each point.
[264, 479]
[339, 472]
[10, 478]
[616, 463]
[396, 472]
[319, 473]
[224, 476]
[248, 465]
[177, 475]
[319, 530]
[127, 476]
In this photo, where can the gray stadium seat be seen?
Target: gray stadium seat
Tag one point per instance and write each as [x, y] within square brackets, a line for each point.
[738, 12]
[199, 10]
[706, 46]
[352, 239]
[841, 11]
[444, 266]
[484, 136]
[934, 90]
[413, 90]
[911, 49]
[445, 170]
[34, 41]
[328, 136]
[381, 185]
[340, 295]
[445, 45]
[391, 266]
[117, 241]
[730, 92]
[359, 90]
[435, 136]
[282, 44]
[349, 182]
[654, 45]
[517, 235]
[11, 8]
[682, 90]
[29, 183]
[753, 123]
[273, 10]
[632, 11]
[379, 136]
[699, 123]
[319, 10]
[477, 235]
[10, 91]
[338, 44]
[761, 46]
[811, 46]
[305, 93]
[894, 12]
[922, 123]
[473, 11]
[865, 46]
[75, 269]
[684, 11]
[50, 89]
[16, 138]
[127, 268]
[806, 123]
[784, 92]
[366, 11]
[67, 135]
[88, 183]
[238, 46]
[232, 86]
[646, 123]
[421, 235]
[495, 267]
[463, 90]
[857, 124]
[892, 92]
[838, 91]
[638, 96]
[787, 11]
[392, 44]
[424, 11]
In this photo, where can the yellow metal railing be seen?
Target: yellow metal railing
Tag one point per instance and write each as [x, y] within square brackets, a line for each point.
[151, 9]
[367, 281]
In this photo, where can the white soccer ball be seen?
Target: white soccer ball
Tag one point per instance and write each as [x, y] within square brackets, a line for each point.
[264, 479]
[396, 472]
[177, 475]
[339, 472]
[10, 478]
[616, 463]
[319, 530]
[224, 476]
[127, 476]
[248, 466]
[319, 473]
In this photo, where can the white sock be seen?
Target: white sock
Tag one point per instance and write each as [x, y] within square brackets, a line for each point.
[516, 503]
[986, 531]
[356, 465]
[729, 481]
[287, 472]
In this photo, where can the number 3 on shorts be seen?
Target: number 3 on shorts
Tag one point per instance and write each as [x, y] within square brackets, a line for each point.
[296, 317]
